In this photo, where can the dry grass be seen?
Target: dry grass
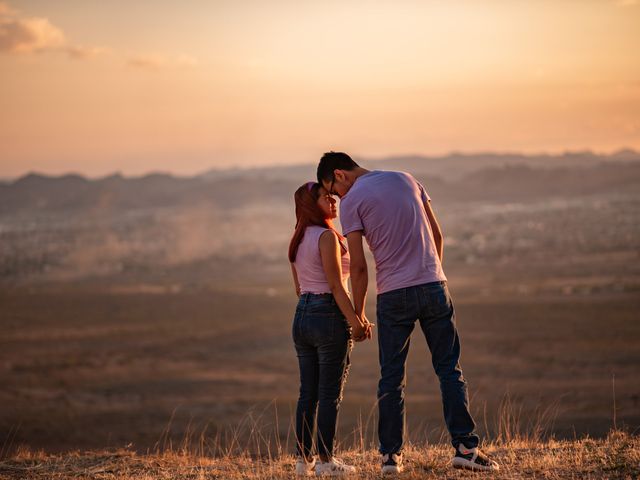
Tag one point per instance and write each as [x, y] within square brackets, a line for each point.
[616, 456]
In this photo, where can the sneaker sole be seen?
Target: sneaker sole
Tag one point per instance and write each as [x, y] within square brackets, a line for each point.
[391, 470]
[305, 473]
[458, 462]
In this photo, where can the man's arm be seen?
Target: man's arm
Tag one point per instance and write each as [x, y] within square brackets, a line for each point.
[359, 272]
[438, 238]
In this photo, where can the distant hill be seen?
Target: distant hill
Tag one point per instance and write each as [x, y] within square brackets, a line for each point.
[455, 177]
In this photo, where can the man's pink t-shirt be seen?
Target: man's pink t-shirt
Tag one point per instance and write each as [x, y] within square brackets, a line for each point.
[388, 207]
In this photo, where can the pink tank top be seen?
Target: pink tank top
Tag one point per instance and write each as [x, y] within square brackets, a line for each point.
[308, 263]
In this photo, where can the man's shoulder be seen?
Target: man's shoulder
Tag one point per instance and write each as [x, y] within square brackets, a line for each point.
[374, 181]
[389, 179]
[391, 174]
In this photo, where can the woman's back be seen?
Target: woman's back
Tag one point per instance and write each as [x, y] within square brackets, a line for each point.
[311, 274]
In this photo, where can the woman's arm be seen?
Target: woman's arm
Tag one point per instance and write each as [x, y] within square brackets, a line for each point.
[330, 254]
[295, 279]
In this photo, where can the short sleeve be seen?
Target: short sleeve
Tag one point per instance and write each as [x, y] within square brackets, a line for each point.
[349, 217]
[423, 193]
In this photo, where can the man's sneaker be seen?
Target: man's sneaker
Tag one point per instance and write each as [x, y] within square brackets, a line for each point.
[473, 459]
[392, 463]
[304, 468]
[334, 468]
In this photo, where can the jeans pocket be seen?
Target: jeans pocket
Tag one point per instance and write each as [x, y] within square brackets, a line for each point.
[321, 328]
[392, 306]
[296, 325]
[439, 301]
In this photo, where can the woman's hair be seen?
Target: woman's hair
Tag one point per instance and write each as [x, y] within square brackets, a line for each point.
[307, 213]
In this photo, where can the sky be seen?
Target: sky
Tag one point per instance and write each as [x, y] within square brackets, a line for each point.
[95, 87]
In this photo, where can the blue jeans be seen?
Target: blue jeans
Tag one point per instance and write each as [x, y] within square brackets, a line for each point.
[321, 337]
[397, 312]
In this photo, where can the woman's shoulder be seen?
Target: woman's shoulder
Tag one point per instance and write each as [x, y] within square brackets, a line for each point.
[329, 237]
[316, 231]
[326, 233]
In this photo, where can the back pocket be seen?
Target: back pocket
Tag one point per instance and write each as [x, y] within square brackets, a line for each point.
[321, 327]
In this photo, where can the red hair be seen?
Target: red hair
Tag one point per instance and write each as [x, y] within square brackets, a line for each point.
[307, 213]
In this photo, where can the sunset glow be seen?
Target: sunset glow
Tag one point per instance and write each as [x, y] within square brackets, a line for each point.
[98, 87]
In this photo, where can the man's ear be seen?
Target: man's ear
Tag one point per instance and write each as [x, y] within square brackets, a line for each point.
[339, 175]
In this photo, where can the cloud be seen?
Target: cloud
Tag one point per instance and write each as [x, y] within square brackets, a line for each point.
[22, 35]
[626, 3]
[81, 52]
[147, 62]
[29, 35]
[157, 62]
[25, 35]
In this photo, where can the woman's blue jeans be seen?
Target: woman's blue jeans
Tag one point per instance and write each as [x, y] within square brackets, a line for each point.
[321, 337]
[397, 312]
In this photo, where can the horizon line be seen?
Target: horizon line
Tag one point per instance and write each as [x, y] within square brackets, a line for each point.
[274, 166]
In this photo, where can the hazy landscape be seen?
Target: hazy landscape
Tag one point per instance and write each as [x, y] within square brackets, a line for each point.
[140, 311]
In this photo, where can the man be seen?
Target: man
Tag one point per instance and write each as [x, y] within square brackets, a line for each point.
[393, 212]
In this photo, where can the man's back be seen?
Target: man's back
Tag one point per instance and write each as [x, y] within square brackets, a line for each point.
[388, 207]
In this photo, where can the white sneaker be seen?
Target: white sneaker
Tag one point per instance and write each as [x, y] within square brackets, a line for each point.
[473, 459]
[392, 464]
[334, 468]
[304, 468]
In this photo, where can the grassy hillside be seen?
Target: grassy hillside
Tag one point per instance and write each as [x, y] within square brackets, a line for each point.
[615, 457]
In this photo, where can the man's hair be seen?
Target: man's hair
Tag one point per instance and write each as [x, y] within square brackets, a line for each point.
[331, 161]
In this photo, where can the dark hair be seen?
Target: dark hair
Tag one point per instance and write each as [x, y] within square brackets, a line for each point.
[331, 161]
[307, 213]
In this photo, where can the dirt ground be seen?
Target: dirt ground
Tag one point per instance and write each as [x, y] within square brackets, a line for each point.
[85, 366]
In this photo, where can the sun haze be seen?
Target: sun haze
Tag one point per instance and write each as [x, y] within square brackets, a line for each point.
[97, 87]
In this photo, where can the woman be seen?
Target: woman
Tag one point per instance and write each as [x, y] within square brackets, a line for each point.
[324, 324]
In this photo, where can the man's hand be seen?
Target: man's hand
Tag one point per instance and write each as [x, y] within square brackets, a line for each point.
[368, 325]
[362, 331]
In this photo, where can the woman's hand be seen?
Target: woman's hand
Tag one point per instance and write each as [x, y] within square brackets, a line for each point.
[359, 332]
[362, 330]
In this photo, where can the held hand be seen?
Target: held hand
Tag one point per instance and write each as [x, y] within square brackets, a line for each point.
[368, 326]
[362, 331]
[370, 330]
[359, 332]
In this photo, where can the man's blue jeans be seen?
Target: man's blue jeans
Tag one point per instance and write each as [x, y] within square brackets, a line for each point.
[397, 312]
[322, 343]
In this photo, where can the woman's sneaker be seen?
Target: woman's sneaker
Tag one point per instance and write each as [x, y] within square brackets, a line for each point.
[392, 463]
[304, 468]
[334, 468]
[473, 459]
